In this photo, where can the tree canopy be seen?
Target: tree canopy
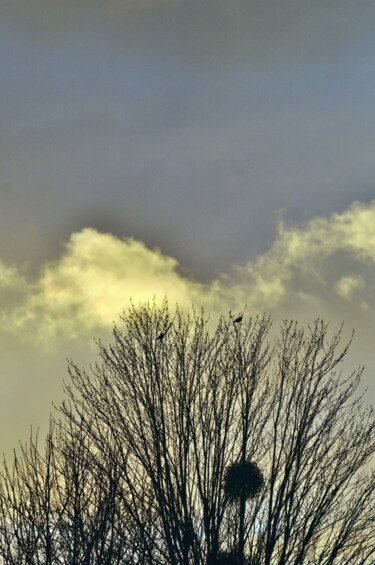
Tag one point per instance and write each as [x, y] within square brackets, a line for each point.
[199, 447]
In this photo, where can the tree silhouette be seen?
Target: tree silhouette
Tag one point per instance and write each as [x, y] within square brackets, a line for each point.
[212, 448]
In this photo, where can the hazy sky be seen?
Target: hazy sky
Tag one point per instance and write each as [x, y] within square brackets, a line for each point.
[220, 152]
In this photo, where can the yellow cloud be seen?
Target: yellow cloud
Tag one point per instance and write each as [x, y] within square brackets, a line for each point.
[306, 269]
[323, 267]
[10, 278]
[94, 280]
[346, 286]
[306, 253]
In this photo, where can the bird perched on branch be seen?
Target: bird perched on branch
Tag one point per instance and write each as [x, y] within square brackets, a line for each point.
[162, 334]
[237, 320]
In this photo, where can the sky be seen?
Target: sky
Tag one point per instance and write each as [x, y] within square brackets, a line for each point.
[215, 152]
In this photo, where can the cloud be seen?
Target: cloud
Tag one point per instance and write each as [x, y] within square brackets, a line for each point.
[306, 256]
[91, 283]
[323, 266]
[347, 285]
[9, 277]
[199, 33]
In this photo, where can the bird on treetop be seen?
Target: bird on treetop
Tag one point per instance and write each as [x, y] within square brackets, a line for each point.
[237, 320]
[160, 336]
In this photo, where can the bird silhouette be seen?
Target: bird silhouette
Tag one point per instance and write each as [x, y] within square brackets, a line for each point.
[237, 320]
[162, 334]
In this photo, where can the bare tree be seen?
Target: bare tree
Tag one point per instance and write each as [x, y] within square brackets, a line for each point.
[58, 505]
[201, 447]
[181, 410]
[28, 520]
[177, 410]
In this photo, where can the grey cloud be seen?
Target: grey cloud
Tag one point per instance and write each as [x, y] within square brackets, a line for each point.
[201, 33]
[106, 124]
